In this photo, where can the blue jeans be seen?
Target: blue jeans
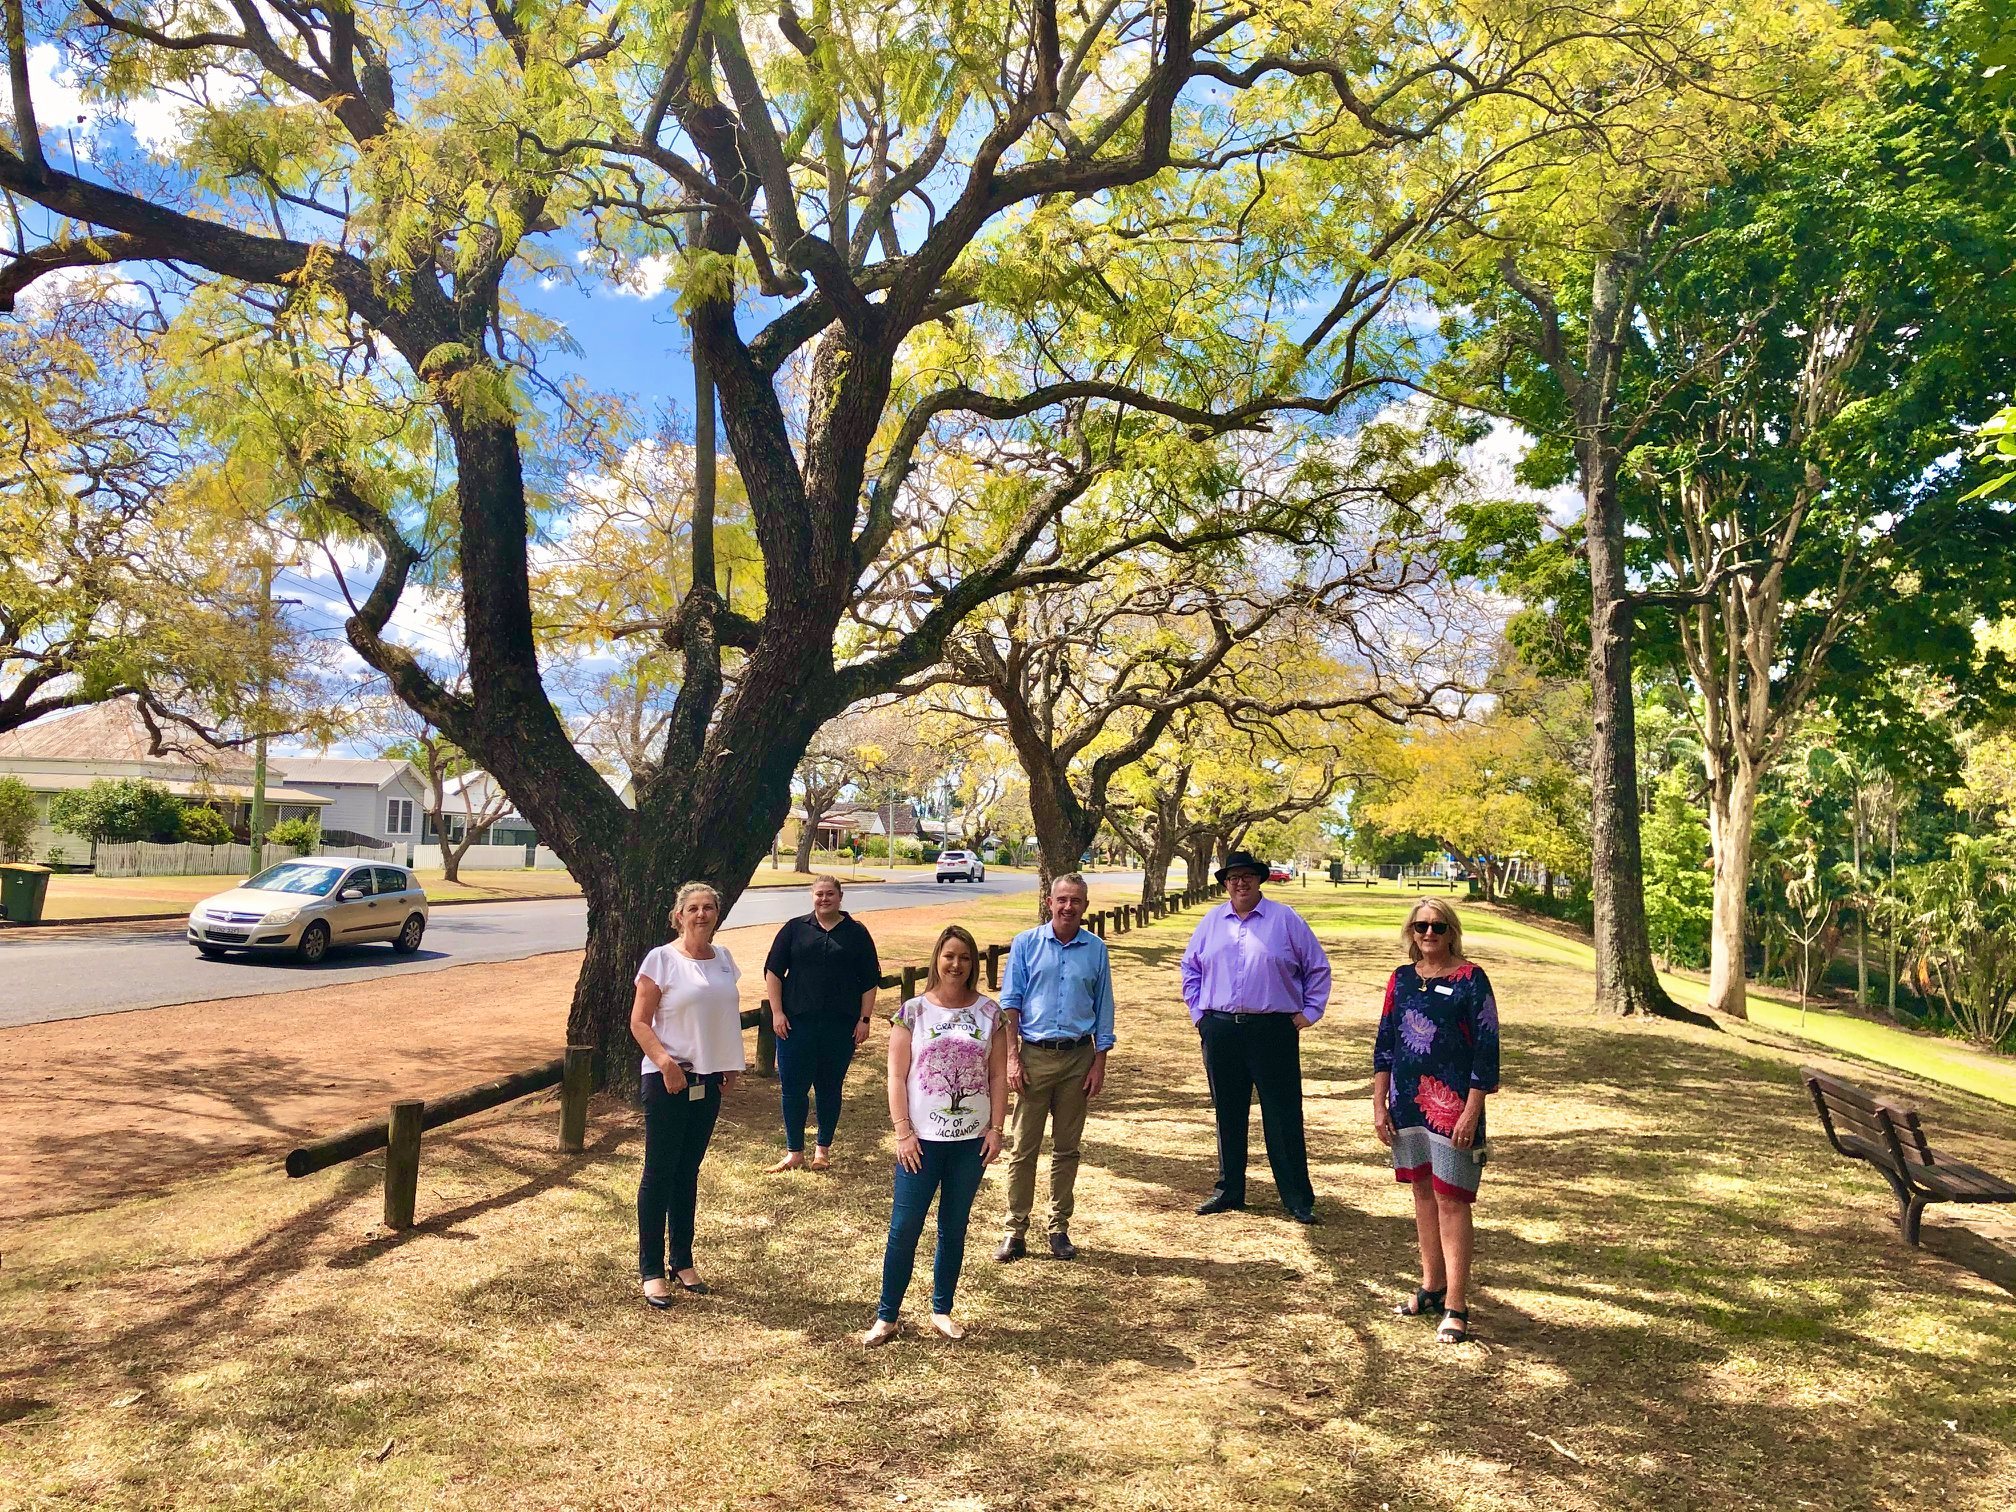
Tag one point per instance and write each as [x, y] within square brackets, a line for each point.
[951, 1169]
[813, 1058]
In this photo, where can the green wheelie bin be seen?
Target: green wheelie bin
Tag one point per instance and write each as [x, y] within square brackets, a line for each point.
[22, 889]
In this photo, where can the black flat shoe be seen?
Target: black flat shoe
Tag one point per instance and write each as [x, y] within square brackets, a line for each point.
[1302, 1215]
[697, 1288]
[1013, 1248]
[1061, 1247]
[1455, 1327]
[658, 1304]
[1219, 1204]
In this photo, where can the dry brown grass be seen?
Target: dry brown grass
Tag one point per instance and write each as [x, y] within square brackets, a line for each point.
[1684, 1302]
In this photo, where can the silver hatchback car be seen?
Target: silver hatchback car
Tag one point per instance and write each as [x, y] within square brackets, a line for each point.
[305, 905]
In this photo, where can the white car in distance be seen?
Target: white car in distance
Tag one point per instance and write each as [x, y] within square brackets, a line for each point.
[961, 866]
[305, 905]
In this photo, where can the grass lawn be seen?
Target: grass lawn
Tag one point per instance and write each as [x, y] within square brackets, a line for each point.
[1684, 1300]
[74, 896]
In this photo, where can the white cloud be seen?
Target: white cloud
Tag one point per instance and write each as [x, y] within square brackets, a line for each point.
[161, 120]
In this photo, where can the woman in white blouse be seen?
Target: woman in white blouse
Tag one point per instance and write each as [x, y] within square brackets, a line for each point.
[948, 1098]
[687, 1018]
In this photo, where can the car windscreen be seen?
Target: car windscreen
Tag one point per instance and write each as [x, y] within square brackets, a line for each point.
[300, 877]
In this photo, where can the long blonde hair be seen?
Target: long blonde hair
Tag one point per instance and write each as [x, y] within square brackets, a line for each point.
[954, 932]
[1447, 910]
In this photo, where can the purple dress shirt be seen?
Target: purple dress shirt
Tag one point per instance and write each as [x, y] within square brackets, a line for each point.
[1267, 962]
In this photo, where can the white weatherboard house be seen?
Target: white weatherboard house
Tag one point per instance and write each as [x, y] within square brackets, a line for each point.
[65, 752]
[378, 802]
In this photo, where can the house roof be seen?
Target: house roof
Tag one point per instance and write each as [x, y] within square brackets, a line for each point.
[236, 789]
[113, 731]
[340, 771]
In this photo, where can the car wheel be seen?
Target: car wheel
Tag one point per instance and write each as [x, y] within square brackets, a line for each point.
[409, 936]
[314, 944]
[210, 952]
[983, 875]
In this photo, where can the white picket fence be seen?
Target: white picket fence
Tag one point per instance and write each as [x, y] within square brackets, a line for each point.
[141, 859]
[491, 858]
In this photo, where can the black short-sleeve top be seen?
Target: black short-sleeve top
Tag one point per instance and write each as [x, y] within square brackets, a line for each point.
[824, 971]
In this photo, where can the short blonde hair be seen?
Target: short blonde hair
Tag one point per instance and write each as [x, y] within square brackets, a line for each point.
[687, 892]
[1447, 911]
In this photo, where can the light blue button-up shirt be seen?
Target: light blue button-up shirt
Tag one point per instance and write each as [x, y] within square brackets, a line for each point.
[1060, 990]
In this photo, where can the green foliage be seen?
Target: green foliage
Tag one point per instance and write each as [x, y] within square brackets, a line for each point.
[302, 836]
[1964, 935]
[1995, 446]
[203, 825]
[17, 819]
[1679, 887]
[118, 810]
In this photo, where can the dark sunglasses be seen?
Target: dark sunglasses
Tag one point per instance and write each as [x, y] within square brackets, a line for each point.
[1429, 926]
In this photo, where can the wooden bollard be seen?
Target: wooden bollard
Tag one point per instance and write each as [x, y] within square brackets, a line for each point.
[766, 1044]
[1099, 924]
[993, 968]
[402, 1163]
[910, 975]
[576, 1082]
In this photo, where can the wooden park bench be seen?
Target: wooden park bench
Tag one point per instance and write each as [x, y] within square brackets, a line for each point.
[1891, 1139]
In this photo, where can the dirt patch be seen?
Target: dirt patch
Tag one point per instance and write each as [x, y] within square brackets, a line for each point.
[99, 1109]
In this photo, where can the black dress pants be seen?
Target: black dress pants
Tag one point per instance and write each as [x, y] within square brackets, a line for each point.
[1258, 1052]
[677, 1127]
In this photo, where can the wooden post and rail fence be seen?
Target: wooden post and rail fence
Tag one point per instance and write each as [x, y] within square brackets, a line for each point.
[398, 1134]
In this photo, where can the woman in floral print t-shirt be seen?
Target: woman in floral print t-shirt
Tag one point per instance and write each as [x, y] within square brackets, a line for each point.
[1434, 1061]
[948, 1098]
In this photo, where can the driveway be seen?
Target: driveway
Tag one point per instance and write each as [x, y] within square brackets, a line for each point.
[151, 965]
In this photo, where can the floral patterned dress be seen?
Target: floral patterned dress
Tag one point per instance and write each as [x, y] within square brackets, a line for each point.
[1438, 1037]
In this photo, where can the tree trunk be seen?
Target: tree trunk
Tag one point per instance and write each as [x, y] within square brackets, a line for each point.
[1626, 981]
[808, 834]
[1861, 913]
[1155, 867]
[1732, 818]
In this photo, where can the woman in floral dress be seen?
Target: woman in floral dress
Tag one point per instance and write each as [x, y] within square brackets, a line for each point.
[948, 1098]
[1434, 1061]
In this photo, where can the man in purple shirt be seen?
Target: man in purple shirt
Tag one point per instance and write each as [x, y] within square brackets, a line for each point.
[1255, 978]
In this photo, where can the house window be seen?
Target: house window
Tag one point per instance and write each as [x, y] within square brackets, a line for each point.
[399, 816]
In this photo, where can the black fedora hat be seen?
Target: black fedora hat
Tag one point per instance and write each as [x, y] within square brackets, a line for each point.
[1240, 860]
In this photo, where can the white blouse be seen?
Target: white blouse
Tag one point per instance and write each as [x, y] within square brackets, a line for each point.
[699, 1018]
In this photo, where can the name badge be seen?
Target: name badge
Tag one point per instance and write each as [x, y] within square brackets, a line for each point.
[1445, 991]
[696, 1092]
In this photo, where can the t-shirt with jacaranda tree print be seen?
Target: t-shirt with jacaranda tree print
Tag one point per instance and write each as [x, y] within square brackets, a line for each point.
[948, 1065]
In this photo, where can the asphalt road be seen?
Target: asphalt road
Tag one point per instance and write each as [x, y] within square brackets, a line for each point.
[152, 965]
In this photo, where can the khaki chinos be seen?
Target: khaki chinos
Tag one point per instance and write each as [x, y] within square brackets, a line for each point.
[1053, 1090]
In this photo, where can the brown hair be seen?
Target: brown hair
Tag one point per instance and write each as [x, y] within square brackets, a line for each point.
[1447, 911]
[685, 893]
[822, 879]
[953, 932]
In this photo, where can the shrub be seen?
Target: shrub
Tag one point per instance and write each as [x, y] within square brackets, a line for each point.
[17, 818]
[1963, 951]
[204, 826]
[299, 835]
[118, 810]
[1679, 887]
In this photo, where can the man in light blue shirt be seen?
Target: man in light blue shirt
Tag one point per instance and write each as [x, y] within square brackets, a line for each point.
[1057, 1005]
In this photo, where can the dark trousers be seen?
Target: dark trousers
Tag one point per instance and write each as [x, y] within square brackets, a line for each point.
[951, 1168]
[676, 1130]
[1262, 1053]
[813, 1058]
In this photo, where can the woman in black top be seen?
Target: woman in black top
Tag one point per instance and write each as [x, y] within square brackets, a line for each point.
[821, 978]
